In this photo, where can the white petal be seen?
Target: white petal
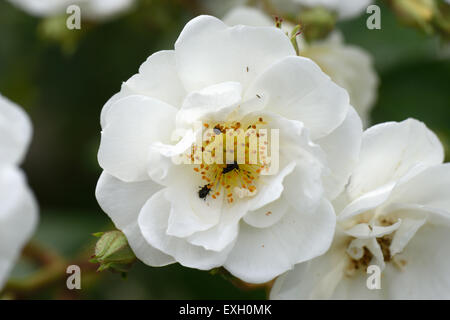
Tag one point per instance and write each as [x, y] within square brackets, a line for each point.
[268, 215]
[6, 264]
[102, 9]
[261, 254]
[189, 213]
[209, 52]
[314, 279]
[122, 202]
[297, 89]
[41, 8]
[158, 78]
[429, 190]
[124, 92]
[225, 232]
[303, 187]
[247, 16]
[347, 9]
[270, 187]
[425, 273]
[15, 132]
[365, 231]
[366, 202]
[351, 68]
[18, 217]
[214, 102]
[165, 164]
[217, 238]
[344, 9]
[91, 10]
[390, 150]
[133, 124]
[355, 288]
[404, 234]
[342, 148]
[153, 224]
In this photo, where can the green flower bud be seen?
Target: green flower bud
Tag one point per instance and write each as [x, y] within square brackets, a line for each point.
[418, 13]
[317, 23]
[442, 20]
[113, 252]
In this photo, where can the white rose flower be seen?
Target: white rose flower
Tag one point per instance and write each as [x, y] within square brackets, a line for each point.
[233, 215]
[345, 9]
[219, 7]
[395, 213]
[90, 9]
[18, 210]
[349, 66]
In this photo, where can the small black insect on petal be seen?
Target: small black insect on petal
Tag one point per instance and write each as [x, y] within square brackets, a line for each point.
[204, 191]
[230, 167]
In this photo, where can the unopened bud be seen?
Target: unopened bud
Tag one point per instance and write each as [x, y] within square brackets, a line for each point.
[419, 13]
[442, 20]
[113, 252]
[317, 23]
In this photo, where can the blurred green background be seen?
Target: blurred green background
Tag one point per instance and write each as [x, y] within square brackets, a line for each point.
[63, 85]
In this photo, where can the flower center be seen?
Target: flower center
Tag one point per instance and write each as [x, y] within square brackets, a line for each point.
[361, 258]
[233, 156]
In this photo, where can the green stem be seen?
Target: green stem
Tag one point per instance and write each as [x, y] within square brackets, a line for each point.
[52, 271]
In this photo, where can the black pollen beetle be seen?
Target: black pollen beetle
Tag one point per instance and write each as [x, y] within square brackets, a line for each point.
[230, 167]
[204, 191]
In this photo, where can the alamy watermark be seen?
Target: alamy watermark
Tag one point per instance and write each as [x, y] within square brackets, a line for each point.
[74, 280]
[373, 282]
[231, 146]
[73, 21]
[373, 22]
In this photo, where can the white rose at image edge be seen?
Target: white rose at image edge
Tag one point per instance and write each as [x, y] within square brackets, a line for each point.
[345, 9]
[349, 66]
[217, 71]
[18, 210]
[90, 9]
[401, 182]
